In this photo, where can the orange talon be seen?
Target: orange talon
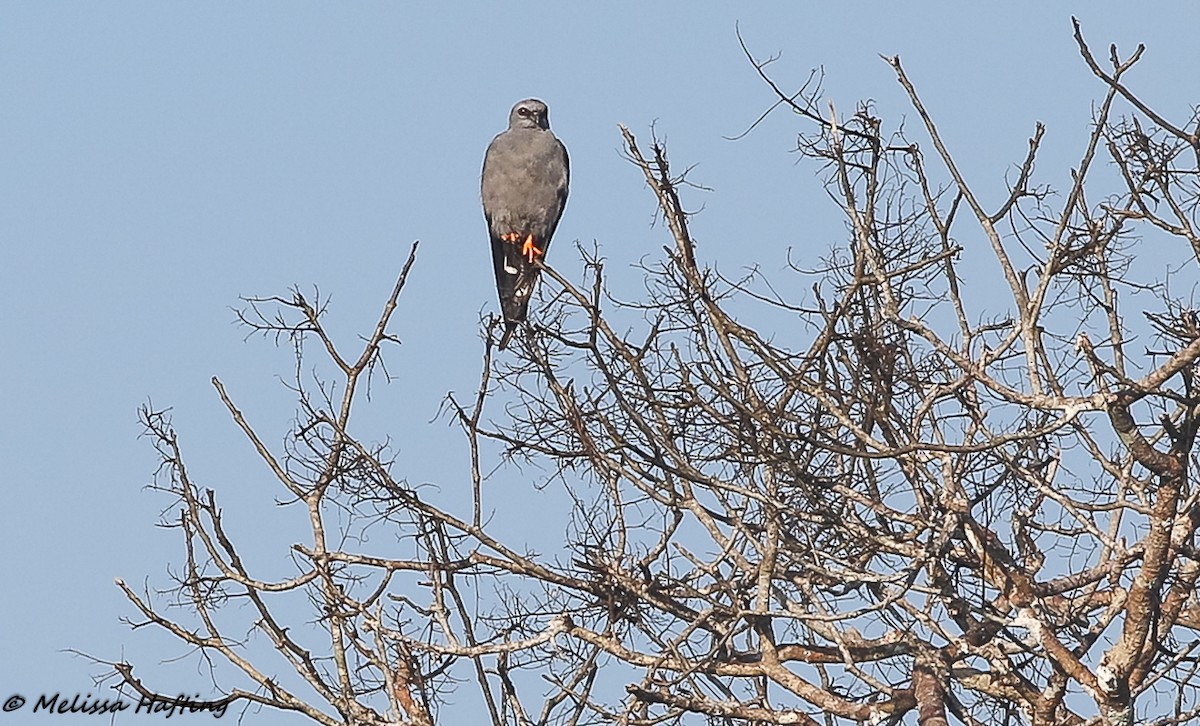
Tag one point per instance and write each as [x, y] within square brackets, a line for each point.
[530, 251]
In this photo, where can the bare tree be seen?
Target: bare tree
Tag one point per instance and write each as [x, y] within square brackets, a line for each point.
[892, 508]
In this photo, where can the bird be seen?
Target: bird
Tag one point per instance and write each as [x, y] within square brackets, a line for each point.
[526, 173]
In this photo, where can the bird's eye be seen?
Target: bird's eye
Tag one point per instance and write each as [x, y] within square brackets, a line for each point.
[523, 111]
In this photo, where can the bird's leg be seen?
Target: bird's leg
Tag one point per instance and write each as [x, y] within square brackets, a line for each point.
[529, 251]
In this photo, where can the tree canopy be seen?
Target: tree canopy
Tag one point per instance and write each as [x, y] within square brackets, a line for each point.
[902, 504]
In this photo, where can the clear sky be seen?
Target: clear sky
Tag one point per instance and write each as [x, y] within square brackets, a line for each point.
[158, 160]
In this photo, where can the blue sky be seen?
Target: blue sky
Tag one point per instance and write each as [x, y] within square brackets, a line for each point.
[157, 160]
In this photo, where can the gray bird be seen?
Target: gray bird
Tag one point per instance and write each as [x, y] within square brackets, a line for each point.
[525, 176]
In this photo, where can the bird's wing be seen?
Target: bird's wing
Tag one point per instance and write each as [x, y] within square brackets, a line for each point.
[490, 181]
[563, 182]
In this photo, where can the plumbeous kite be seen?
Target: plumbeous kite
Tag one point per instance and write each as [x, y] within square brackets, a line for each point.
[524, 185]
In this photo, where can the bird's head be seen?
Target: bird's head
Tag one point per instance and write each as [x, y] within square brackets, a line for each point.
[529, 114]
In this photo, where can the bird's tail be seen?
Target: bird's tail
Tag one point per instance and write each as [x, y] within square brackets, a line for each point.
[509, 329]
[514, 282]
